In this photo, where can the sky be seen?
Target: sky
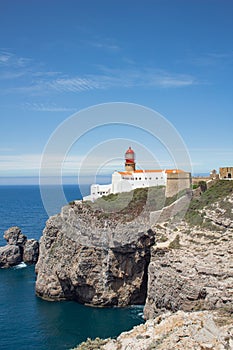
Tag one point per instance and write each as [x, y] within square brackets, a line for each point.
[60, 57]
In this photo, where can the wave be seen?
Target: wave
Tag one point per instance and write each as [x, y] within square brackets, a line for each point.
[20, 266]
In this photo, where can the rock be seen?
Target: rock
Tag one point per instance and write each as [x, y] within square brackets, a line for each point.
[31, 251]
[93, 260]
[181, 331]
[14, 236]
[10, 255]
[18, 248]
[195, 275]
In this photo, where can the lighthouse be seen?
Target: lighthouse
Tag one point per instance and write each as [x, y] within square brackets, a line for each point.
[131, 179]
[130, 160]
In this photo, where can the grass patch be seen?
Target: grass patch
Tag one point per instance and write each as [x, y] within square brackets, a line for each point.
[170, 200]
[175, 244]
[126, 206]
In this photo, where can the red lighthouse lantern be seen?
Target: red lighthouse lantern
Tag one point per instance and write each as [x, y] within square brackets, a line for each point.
[129, 160]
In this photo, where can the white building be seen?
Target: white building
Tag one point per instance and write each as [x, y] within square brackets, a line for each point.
[130, 179]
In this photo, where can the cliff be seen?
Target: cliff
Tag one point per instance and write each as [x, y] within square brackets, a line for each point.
[190, 269]
[191, 263]
[183, 266]
[87, 257]
[181, 331]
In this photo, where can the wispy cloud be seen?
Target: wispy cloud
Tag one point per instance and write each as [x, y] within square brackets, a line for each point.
[7, 58]
[106, 44]
[31, 163]
[14, 67]
[113, 79]
[29, 78]
[76, 84]
[43, 107]
[211, 59]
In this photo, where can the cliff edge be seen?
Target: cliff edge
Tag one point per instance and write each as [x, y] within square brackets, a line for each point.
[93, 258]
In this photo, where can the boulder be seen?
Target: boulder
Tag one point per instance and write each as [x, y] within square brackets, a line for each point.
[18, 248]
[31, 251]
[14, 236]
[10, 255]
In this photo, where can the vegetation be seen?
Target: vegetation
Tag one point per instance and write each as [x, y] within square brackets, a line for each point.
[175, 244]
[202, 185]
[90, 344]
[170, 200]
[218, 192]
[126, 206]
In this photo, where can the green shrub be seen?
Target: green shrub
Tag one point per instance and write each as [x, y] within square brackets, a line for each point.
[89, 344]
[175, 244]
[217, 192]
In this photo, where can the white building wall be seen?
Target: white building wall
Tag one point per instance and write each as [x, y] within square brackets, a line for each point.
[126, 182]
[98, 191]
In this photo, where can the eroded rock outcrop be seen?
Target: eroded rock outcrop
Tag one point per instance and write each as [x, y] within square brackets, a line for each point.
[87, 257]
[10, 255]
[180, 331]
[193, 270]
[18, 249]
[31, 251]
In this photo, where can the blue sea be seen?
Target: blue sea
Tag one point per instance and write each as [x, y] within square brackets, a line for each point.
[29, 323]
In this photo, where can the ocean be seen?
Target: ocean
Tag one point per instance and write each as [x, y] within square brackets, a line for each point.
[29, 323]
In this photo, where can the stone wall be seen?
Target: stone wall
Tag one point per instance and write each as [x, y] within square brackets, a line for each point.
[177, 182]
[226, 173]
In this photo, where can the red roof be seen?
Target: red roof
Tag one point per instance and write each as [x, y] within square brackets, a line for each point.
[168, 171]
[129, 150]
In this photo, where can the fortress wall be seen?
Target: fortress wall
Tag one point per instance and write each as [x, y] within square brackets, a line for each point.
[226, 173]
[177, 182]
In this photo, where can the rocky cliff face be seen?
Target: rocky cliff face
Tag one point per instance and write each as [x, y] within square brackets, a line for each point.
[18, 248]
[181, 331]
[193, 269]
[86, 257]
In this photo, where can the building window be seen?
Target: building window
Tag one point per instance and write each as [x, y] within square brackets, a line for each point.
[145, 178]
[149, 178]
[156, 178]
[136, 178]
[140, 178]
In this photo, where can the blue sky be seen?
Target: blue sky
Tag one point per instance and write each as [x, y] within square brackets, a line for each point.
[59, 57]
